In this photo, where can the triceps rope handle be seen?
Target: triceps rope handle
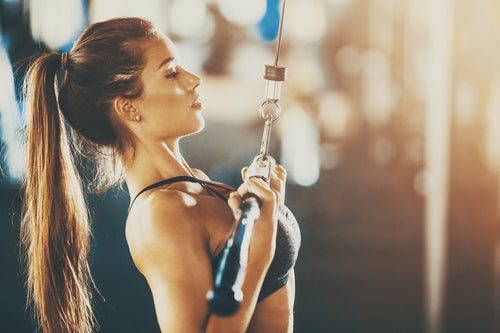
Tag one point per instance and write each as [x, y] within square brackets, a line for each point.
[225, 298]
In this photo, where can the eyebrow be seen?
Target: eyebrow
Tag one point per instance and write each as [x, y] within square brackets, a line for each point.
[165, 62]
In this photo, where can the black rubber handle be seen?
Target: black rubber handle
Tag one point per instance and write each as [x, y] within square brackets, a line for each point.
[225, 298]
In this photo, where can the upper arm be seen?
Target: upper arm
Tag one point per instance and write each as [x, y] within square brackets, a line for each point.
[170, 248]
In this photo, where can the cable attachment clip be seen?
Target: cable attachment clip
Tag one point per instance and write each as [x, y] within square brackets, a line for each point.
[274, 77]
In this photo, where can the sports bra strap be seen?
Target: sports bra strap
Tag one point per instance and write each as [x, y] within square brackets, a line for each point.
[182, 179]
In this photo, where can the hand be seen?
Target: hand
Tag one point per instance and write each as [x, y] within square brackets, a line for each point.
[263, 241]
[277, 182]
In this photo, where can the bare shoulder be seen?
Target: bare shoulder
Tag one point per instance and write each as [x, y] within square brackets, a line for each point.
[168, 244]
[201, 175]
[166, 221]
[165, 210]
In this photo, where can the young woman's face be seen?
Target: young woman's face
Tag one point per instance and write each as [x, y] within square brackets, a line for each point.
[169, 106]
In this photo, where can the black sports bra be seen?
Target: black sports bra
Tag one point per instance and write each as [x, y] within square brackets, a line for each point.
[287, 238]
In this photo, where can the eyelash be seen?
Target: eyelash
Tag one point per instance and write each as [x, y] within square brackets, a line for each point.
[172, 75]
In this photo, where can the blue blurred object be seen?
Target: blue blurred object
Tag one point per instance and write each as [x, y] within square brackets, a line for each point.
[66, 48]
[69, 45]
[269, 24]
[10, 2]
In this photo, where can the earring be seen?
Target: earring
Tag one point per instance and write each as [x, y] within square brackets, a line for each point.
[138, 118]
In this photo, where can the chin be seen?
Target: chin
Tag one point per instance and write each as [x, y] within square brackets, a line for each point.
[200, 126]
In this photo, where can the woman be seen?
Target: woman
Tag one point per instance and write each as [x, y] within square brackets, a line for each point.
[128, 101]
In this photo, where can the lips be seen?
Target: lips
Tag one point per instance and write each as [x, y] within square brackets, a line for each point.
[197, 103]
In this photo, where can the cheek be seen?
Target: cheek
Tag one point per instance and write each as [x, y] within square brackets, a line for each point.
[162, 99]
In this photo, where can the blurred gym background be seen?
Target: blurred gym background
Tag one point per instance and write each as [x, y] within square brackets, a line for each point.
[390, 131]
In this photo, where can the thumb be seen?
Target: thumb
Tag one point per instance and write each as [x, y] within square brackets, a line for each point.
[244, 172]
[234, 202]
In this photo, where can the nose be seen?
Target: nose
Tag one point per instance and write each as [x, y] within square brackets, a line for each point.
[193, 81]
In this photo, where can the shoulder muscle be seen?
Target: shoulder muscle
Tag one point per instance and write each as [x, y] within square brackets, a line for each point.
[169, 246]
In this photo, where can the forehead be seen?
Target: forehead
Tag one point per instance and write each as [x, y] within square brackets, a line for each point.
[157, 51]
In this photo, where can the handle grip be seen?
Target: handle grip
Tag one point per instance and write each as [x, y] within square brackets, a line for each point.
[225, 298]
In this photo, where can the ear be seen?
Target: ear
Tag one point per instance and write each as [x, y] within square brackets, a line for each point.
[125, 109]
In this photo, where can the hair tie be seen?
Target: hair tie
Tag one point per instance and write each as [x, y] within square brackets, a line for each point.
[64, 60]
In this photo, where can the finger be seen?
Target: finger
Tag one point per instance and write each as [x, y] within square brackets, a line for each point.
[277, 197]
[256, 186]
[277, 184]
[276, 194]
[234, 202]
[280, 171]
[251, 183]
[279, 168]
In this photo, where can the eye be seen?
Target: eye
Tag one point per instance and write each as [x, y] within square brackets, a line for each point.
[172, 75]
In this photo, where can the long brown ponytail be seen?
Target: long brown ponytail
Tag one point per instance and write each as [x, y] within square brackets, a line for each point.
[55, 229]
[106, 62]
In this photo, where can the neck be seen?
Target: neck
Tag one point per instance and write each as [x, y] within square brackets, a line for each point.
[153, 163]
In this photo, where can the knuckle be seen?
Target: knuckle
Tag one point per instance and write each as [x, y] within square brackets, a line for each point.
[277, 178]
[280, 168]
